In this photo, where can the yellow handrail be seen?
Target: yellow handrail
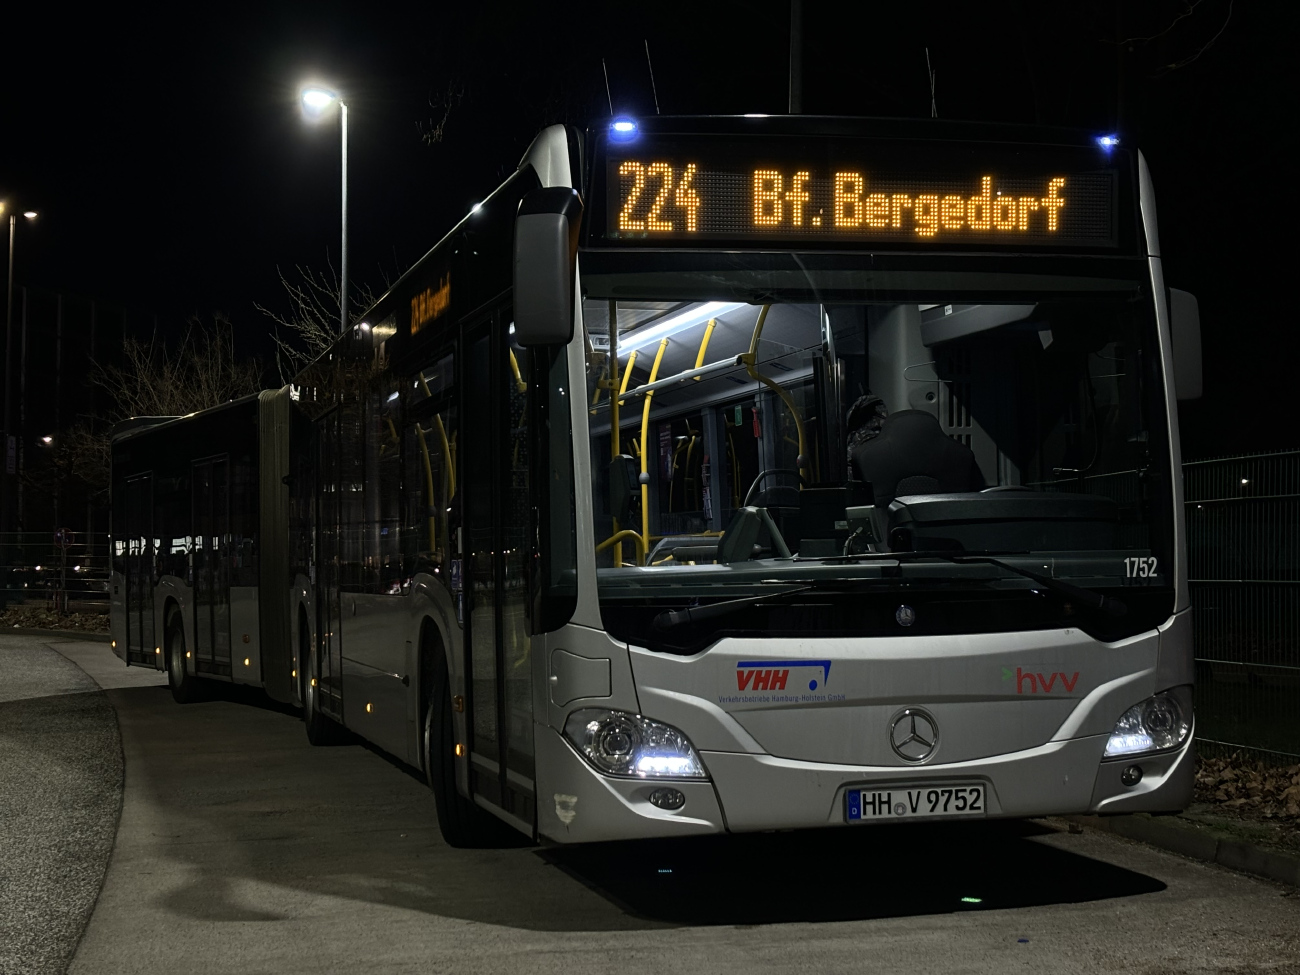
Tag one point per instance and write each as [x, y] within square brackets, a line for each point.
[429, 505]
[514, 367]
[617, 539]
[750, 360]
[704, 344]
[631, 361]
[645, 425]
[446, 452]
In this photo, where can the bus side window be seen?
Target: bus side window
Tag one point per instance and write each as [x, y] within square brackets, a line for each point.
[383, 506]
[430, 452]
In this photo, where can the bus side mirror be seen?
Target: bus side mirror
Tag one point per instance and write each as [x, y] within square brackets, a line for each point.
[546, 256]
[1185, 335]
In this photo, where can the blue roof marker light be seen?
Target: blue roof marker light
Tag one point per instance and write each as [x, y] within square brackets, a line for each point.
[1108, 142]
[622, 129]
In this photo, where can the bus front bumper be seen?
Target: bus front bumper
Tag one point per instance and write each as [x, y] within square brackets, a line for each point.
[754, 792]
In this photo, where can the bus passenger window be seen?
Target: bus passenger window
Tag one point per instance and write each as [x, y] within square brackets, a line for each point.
[431, 517]
[384, 491]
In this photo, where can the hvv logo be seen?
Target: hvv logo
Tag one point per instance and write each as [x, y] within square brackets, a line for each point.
[772, 675]
[1038, 683]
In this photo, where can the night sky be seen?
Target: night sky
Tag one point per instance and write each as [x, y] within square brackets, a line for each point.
[174, 173]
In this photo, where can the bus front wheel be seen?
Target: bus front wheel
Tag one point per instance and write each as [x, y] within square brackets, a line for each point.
[321, 729]
[463, 824]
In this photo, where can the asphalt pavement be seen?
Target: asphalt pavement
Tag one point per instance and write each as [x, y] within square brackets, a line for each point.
[242, 849]
[60, 792]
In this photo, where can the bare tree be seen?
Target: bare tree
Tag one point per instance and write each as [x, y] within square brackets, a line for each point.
[198, 372]
[311, 326]
[152, 379]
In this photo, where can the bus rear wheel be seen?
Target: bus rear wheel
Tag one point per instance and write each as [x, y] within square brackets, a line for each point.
[463, 824]
[185, 686]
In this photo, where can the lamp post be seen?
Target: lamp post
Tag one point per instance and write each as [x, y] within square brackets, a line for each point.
[10, 442]
[315, 102]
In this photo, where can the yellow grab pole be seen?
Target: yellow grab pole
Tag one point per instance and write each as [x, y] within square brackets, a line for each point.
[750, 359]
[446, 452]
[514, 367]
[645, 474]
[704, 344]
[631, 361]
[428, 488]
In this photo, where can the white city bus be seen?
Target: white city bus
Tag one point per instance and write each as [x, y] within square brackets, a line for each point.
[733, 474]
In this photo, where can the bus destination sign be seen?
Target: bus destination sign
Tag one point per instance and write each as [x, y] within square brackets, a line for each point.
[680, 197]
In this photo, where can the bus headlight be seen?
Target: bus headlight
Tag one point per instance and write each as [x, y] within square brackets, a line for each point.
[619, 743]
[1157, 724]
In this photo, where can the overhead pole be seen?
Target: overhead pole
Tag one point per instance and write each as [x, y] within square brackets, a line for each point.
[796, 57]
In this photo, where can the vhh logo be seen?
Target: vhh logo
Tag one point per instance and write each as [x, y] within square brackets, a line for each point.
[761, 680]
[1039, 683]
[772, 675]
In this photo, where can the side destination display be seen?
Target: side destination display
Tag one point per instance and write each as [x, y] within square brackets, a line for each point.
[941, 193]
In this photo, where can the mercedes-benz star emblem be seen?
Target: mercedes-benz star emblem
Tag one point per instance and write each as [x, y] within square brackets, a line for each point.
[914, 735]
[905, 615]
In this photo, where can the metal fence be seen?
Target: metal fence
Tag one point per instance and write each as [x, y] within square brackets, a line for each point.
[1243, 547]
[54, 570]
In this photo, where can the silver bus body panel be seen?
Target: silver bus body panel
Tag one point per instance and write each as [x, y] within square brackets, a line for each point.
[549, 156]
[1147, 208]
[991, 693]
[377, 669]
[245, 636]
[576, 659]
[587, 611]
[577, 805]
[1176, 664]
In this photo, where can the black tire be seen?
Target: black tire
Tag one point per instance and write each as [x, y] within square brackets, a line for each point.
[463, 824]
[186, 687]
[321, 729]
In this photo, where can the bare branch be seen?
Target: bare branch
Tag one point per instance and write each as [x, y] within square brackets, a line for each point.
[1183, 62]
[311, 325]
[432, 132]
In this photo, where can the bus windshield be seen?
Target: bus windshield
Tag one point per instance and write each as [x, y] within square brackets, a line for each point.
[852, 428]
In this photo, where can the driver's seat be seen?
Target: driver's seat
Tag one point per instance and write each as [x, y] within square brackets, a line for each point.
[912, 455]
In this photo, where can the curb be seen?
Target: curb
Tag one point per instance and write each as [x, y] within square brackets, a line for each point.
[64, 634]
[1199, 843]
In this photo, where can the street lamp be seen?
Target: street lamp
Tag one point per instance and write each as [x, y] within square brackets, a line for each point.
[10, 442]
[315, 103]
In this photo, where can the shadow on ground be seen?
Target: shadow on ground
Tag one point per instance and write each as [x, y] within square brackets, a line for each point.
[235, 817]
[844, 874]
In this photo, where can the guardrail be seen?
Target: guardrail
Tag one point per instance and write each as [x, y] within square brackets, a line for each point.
[63, 571]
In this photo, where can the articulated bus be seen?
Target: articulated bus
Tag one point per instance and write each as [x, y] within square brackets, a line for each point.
[718, 475]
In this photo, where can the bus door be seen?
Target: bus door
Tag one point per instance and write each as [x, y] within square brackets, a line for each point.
[139, 570]
[212, 558]
[496, 513]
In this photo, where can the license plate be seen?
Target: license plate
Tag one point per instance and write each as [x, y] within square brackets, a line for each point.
[915, 802]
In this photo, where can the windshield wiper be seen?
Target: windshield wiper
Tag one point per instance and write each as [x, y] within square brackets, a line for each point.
[1093, 600]
[1108, 605]
[696, 614]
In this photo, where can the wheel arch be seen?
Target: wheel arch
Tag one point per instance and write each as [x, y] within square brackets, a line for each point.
[433, 647]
